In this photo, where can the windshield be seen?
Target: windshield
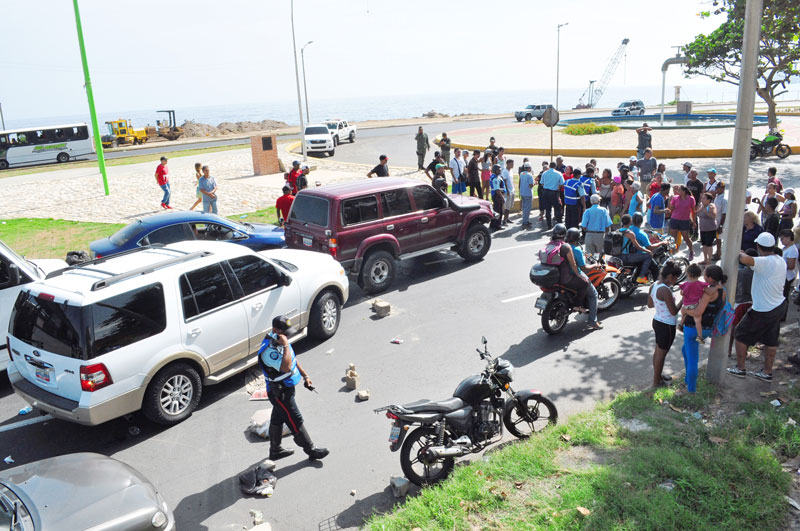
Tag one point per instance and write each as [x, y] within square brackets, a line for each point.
[316, 130]
[530, 107]
[125, 234]
[331, 126]
[625, 104]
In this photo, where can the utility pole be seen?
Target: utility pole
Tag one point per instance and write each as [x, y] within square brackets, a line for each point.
[2, 120]
[732, 235]
[299, 99]
[98, 143]
[558, 57]
[305, 88]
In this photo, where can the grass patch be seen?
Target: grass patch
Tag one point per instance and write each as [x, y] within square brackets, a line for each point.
[673, 475]
[53, 238]
[589, 129]
[123, 161]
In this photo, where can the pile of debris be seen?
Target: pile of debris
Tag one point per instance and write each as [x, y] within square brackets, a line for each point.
[434, 114]
[195, 129]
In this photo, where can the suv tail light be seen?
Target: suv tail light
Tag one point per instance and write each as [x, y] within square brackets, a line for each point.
[94, 377]
[333, 247]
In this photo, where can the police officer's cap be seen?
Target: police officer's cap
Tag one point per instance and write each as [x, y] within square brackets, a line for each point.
[283, 324]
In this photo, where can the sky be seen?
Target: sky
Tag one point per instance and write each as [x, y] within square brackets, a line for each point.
[178, 53]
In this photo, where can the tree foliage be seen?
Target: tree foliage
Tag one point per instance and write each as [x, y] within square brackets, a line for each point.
[718, 55]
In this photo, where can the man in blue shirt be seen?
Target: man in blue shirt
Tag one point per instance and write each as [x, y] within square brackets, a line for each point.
[658, 207]
[496, 189]
[573, 238]
[587, 180]
[637, 249]
[596, 221]
[574, 201]
[526, 194]
[508, 196]
[552, 180]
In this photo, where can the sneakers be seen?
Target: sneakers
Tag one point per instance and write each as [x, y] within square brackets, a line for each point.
[739, 373]
[761, 375]
[597, 325]
[163, 205]
[641, 280]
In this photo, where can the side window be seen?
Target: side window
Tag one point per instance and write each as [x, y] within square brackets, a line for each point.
[5, 275]
[204, 290]
[395, 202]
[83, 132]
[426, 198]
[125, 319]
[171, 234]
[217, 232]
[253, 273]
[359, 210]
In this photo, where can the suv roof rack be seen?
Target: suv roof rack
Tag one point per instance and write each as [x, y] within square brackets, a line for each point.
[100, 284]
[83, 265]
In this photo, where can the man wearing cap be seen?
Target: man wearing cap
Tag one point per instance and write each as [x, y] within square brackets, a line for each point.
[552, 180]
[596, 221]
[711, 185]
[762, 322]
[430, 170]
[647, 166]
[294, 173]
[634, 171]
[284, 204]
[382, 169]
[423, 145]
[444, 146]
[302, 179]
[163, 181]
[687, 168]
[645, 140]
[439, 179]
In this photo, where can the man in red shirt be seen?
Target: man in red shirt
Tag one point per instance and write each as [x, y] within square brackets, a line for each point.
[163, 182]
[283, 204]
[293, 174]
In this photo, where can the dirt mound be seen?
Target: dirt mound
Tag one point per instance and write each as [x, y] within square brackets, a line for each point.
[194, 129]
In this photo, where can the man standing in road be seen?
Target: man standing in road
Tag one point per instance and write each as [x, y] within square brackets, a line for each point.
[444, 146]
[647, 167]
[658, 208]
[762, 322]
[294, 173]
[711, 185]
[163, 181]
[552, 180]
[645, 140]
[382, 169]
[474, 174]
[560, 166]
[284, 204]
[457, 172]
[695, 186]
[302, 179]
[208, 187]
[574, 201]
[687, 169]
[526, 194]
[508, 196]
[422, 148]
[596, 221]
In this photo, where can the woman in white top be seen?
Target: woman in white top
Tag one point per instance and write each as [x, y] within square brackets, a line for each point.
[790, 256]
[665, 319]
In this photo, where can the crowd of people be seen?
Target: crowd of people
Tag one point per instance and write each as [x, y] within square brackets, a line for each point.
[205, 188]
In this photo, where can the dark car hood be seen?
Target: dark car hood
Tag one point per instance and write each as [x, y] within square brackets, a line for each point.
[78, 491]
[103, 247]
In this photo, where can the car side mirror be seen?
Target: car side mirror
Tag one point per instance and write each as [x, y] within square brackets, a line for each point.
[14, 277]
[286, 280]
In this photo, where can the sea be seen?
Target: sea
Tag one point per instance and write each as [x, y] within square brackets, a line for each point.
[392, 107]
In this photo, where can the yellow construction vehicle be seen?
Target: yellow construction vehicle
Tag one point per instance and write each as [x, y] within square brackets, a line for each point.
[120, 132]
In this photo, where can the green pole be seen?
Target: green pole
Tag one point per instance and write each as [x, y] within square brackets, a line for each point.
[98, 143]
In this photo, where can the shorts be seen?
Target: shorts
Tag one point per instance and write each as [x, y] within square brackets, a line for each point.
[486, 175]
[198, 193]
[691, 306]
[739, 312]
[708, 237]
[665, 334]
[680, 224]
[761, 327]
[509, 201]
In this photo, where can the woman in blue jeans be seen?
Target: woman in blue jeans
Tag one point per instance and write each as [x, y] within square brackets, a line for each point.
[710, 304]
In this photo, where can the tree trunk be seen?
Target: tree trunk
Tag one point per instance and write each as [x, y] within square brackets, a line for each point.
[772, 117]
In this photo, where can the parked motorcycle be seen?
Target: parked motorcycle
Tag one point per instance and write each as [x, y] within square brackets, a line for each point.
[557, 302]
[771, 141]
[466, 423]
[628, 273]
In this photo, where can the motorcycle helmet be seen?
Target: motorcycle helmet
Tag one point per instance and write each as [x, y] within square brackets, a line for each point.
[495, 168]
[573, 235]
[559, 231]
[504, 371]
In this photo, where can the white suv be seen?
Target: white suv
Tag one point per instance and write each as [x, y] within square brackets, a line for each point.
[319, 139]
[147, 329]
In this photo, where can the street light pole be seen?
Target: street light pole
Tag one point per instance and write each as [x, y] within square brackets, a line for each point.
[2, 120]
[558, 58]
[297, 79]
[305, 88]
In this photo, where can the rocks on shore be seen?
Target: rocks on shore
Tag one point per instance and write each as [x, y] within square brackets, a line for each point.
[194, 129]
[434, 114]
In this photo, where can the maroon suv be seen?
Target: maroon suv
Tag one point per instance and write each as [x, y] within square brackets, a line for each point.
[367, 225]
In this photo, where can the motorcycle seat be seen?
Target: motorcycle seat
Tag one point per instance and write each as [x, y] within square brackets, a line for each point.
[438, 406]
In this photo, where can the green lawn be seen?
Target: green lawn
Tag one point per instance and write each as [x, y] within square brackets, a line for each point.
[53, 238]
[592, 472]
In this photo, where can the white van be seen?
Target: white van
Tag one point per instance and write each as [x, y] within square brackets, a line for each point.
[16, 272]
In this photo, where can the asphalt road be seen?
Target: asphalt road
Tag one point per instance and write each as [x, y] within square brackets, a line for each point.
[441, 306]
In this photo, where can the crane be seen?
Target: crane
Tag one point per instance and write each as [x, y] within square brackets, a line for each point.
[595, 92]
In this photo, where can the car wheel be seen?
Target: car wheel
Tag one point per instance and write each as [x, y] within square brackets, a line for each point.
[63, 157]
[325, 315]
[3, 164]
[641, 112]
[627, 113]
[352, 136]
[476, 243]
[377, 273]
[527, 117]
[331, 152]
[173, 394]
[519, 118]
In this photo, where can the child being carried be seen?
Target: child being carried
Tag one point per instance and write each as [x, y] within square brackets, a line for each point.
[692, 291]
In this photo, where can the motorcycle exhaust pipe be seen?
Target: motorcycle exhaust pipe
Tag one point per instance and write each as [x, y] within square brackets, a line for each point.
[447, 451]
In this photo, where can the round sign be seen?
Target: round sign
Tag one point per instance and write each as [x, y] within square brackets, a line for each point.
[550, 117]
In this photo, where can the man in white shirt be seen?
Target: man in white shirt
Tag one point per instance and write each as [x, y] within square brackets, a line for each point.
[508, 179]
[762, 322]
[457, 171]
[687, 168]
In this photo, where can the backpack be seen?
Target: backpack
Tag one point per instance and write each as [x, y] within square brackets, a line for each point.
[551, 254]
[723, 320]
[613, 242]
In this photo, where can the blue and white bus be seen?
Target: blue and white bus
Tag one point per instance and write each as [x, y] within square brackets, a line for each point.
[59, 143]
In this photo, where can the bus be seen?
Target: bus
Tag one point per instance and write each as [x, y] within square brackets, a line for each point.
[59, 143]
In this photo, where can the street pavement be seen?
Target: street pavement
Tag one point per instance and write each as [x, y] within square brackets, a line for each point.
[441, 306]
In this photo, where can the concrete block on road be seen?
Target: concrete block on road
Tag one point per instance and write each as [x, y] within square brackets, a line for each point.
[351, 377]
[399, 486]
[363, 395]
[381, 308]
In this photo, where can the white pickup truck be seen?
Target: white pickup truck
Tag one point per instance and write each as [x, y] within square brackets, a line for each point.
[15, 273]
[341, 129]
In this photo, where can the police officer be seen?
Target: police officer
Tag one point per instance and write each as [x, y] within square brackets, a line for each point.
[497, 188]
[282, 371]
[574, 194]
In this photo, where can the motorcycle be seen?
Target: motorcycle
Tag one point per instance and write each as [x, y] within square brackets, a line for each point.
[466, 423]
[770, 142]
[628, 273]
[557, 302]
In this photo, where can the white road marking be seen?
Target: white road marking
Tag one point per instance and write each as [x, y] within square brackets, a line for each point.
[514, 247]
[26, 422]
[512, 299]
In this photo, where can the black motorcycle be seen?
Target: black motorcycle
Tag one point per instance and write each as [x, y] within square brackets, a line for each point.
[628, 273]
[466, 423]
[771, 141]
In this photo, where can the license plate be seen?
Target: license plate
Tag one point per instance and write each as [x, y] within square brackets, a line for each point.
[308, 242]
[541, 303]
[44, 375]
[394, 435]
